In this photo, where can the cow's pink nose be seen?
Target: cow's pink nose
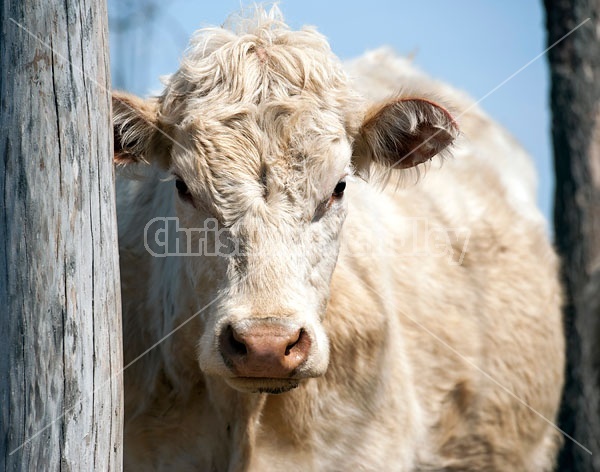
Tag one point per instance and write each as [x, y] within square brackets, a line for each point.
[263, 349]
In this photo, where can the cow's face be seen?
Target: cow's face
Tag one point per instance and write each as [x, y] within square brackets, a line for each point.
[259, 170]
[271, 179]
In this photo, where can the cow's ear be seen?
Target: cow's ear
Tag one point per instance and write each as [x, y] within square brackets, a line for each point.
[403, 133]
[138, 134]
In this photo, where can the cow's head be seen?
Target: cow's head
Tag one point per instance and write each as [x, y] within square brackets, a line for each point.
[261, 133]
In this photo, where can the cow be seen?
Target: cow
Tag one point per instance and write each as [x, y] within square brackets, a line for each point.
[329, 267]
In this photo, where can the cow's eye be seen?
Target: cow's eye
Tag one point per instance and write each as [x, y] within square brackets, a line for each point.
[338, 191]
[337, 194]
[183, 190]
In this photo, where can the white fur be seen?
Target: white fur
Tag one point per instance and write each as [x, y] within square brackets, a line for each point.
[413, 297]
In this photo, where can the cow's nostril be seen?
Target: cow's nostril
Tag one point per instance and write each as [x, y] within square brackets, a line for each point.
[294, 343]
[235, 345]
[238, 347]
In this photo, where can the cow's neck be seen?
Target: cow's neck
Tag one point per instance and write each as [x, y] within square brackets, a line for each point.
[239, 413]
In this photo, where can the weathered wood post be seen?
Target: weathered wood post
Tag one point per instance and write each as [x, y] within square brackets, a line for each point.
[575, 100]
[60, 319]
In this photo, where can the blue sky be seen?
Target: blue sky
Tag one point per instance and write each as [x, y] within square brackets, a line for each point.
[472, 44]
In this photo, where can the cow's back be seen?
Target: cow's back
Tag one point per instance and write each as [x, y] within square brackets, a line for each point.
[379, 74]
[463, 258]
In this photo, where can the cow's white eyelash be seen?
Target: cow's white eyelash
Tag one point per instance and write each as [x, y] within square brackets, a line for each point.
[169, 178]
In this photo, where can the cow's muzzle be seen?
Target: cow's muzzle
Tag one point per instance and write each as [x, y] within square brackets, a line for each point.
[264, 349]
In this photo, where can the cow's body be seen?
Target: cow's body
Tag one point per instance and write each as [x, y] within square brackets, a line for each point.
[441, 356]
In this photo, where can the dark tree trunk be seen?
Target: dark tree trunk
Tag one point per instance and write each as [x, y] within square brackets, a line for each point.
[575, 99]
[60, 320]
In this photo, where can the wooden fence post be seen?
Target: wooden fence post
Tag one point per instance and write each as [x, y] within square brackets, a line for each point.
[575, 101]
[60, 310]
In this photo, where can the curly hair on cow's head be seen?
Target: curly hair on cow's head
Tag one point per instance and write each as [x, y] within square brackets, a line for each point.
[256, 57]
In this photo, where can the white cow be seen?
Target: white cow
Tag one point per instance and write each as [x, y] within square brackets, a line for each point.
[284, 311]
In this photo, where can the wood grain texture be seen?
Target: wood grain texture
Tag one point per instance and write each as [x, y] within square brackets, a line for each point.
[575, 102]
[60, 315]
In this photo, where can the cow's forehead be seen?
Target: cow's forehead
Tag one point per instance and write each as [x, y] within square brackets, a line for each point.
[280, 153]
[269, 105]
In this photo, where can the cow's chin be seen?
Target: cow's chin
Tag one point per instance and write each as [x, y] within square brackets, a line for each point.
[262, 385]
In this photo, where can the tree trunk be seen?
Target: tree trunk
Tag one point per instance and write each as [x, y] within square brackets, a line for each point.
[575, 100]
[60, 315]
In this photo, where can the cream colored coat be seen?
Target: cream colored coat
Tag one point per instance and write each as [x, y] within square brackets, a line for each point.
[443, 343]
